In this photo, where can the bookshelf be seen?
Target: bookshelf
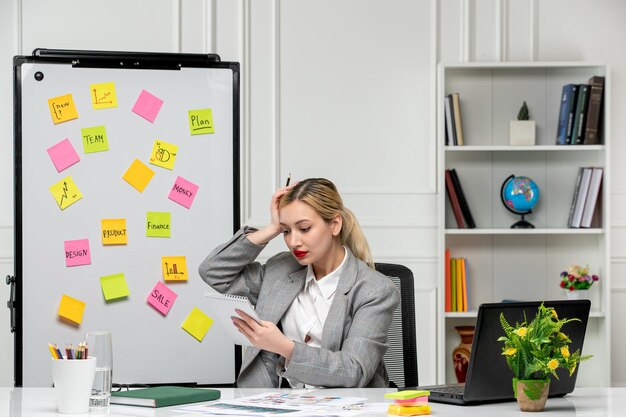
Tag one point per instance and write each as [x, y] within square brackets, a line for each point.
[520, 264]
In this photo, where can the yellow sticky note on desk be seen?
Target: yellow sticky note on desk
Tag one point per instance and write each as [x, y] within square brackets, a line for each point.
[114, 286]
[103, 95]
[163, 154]
[138, 175]
[65, 192]
[201, 122]
[62, 108]
[174, 268]
[197, 324]
[114, 232]
[71, 309]
[398, 410]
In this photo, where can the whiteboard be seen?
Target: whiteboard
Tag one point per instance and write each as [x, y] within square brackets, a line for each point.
[148, 347]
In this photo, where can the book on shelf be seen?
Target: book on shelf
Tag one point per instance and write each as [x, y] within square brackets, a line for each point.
[454, 200]
[447, 283]
[594, 110]
[465, 210]
[566, 114]
[456, 112]
[592, 197]
[578, 131]
[449, 116]
[164, 396]
[459, 284]
[457, 298]
[453, 284]
[580, 197]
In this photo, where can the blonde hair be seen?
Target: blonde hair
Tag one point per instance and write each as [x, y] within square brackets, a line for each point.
[322, 196]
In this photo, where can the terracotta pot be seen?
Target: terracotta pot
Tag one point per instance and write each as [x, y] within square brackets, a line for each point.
[461, 353]
[531, 394]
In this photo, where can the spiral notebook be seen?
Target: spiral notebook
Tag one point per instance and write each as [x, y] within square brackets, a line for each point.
[222, 308]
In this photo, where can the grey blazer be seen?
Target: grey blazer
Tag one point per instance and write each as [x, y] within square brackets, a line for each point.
[354, 337]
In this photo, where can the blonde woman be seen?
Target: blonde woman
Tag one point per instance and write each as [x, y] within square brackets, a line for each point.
[325, 311]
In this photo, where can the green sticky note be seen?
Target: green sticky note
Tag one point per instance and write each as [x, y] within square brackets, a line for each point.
[201, 122]
[407, 394]
[114, 286]
[158, 223]
[94, 139]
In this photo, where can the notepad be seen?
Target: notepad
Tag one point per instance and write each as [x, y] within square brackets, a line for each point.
[164, 396]
[222, 307]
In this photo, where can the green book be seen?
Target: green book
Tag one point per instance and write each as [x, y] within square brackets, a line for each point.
[164, 396]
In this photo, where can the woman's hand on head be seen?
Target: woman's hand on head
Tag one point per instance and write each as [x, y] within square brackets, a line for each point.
[273, 229]
[264, 335]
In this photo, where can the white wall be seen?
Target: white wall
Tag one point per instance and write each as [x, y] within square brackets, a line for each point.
[343, 89]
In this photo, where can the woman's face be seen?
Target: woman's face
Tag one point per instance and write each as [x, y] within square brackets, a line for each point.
[309, 238]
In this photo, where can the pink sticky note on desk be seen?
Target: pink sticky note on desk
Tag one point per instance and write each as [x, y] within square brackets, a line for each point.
[147, 106]
[63, 155]
[183, 192]
[77, 252]
[161, 298]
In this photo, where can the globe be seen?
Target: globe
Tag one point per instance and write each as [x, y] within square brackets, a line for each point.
[520, 195]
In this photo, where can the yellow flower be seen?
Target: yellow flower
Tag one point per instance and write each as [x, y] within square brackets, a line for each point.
[563, 336]
[521, 332]
[553, 364]
[556, 316]
[510, 351]
[565, 352]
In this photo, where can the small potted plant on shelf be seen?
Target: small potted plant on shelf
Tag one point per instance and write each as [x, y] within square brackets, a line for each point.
[576, 281]
[534, 351]
[522, 130]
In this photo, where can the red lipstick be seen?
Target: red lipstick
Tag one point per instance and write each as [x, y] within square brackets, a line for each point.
[300, 253]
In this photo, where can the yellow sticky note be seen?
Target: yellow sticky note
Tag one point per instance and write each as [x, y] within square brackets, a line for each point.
[114, 286]
[65, 192]
[158, 223]
[201, 122]
[163, 154]
[62, 109]
[103, 96]
[138, 175]
[197, 324]
[71, 309]
[174, 268]
[114, 232]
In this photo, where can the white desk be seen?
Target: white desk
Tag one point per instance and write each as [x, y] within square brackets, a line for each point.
[41, 402]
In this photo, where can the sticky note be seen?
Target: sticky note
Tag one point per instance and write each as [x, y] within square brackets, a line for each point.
[161, 298]
[201, 122]
[138, 175]
[398, 410]
[406, 394]
[163, 154]
[174, 268]
[114, 287]
[62, 109]
[71, 309]
[103, 95]
[114, 232]
[65, 192]
[77, 252]
[95, 139]
[158, 223]
[147, 106]
[183, 192]
[412, 401]
[197, 324]
[63, 155]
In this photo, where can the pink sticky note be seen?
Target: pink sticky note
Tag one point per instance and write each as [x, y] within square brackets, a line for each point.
[161, 298]
[147, 106]
[183, 192]
[77, 252]
[63, 155]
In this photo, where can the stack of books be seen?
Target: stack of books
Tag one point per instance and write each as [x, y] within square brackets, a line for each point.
[408, 403]
[586, 206]
[454, 127]
[461, 210]
[580, 113]
[456, 284]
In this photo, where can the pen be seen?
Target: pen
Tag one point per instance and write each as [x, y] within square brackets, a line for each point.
[288, 180]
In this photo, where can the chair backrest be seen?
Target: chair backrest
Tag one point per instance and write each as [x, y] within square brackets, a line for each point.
[401, 358]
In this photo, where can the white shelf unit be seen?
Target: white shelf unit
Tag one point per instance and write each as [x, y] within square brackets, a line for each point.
[520, 264]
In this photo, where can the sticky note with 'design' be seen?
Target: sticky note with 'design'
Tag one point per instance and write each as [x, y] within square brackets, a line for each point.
[147, 106]
[201, 122]
[183, 192]
[65, 192]
[158, 223]
[174, 268]
[63, 155]
[114, 232]
[138, 175]
[77, 252]
[197, 324]
[95, 139]
[103, 96]
[163, 154]
[114, 287]
[71, 309]
[161, 298]
[62, 108]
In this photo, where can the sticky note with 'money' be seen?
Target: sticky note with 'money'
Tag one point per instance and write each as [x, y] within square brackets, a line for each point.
[138, 175]
[147, 106]
[63, 155]
[183, 192]
[71, 309]
[161, 298]
[62, 108]
[197, 324]
[77, 252]
[114, 287]
[174, 268]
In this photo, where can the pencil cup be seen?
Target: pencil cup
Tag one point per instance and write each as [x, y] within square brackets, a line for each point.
[72, 383]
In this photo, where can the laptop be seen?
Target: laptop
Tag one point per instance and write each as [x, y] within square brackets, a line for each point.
[489, 379]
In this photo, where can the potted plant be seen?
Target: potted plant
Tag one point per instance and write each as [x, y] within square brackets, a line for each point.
[576, 281]
[522, 130]
[534, 351]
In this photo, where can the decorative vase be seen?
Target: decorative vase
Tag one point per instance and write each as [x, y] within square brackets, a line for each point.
[531, 394]
[578, 295]
[461, 353]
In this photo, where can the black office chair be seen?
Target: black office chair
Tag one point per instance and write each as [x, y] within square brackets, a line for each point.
[401, 358]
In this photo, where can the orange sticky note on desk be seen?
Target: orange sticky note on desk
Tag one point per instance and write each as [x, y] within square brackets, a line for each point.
[62, 108]
[71, 309]
[114, 232]
[114, 287]
[138, 175]
[197, 324]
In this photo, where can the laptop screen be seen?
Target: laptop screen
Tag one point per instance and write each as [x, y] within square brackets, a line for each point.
[488, 376]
